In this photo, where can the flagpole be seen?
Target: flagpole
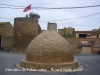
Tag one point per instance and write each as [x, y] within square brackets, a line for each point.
[31, 9]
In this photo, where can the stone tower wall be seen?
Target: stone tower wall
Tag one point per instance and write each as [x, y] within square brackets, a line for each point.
[52, 26]
[25, 29]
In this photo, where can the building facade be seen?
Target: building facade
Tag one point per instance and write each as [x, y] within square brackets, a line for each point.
[68, 30]
[6, 35]
[94, 35]
[52, 26]
[88, 36]
[82, 34]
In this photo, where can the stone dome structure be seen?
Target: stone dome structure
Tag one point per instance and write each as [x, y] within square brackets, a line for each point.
[49, 50]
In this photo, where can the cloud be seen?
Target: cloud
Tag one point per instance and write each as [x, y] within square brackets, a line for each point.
[48, 15]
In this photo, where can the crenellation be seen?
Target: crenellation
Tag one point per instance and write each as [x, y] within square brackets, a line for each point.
[52, 26]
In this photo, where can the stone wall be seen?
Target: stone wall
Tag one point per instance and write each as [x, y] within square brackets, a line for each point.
[6, 29]
[69, 30]
[2, 28]
[6, 33]
[61, 31]
[25, 29]
[52, 26]
[7, 43]
[75, 45]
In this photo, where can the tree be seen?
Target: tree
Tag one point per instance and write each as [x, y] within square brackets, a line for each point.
[34, 15]
[69, 34]
[65, 32]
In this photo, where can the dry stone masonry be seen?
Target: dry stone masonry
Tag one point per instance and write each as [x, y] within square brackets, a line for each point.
[49, 50]
[25, 29]
[52, 26]
[76, 45]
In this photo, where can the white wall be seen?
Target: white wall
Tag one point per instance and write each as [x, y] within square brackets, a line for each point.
[86, 50]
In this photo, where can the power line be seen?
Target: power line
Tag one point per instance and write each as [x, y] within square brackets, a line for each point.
[79, 18]
[68, 22]
[6, 18]
[41, 8]
[63, 19]
[12, 5]
[75, 18]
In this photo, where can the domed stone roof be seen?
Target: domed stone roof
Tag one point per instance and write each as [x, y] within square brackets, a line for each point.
[49, 49]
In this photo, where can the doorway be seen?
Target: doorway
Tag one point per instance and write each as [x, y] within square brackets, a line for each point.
[0, 42]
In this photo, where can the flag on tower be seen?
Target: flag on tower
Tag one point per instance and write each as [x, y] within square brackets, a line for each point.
[27, 8]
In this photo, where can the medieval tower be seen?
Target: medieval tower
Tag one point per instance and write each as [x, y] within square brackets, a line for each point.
[25, 29]
[52, 26]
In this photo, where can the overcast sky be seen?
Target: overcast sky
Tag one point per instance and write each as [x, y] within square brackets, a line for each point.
[88, 23]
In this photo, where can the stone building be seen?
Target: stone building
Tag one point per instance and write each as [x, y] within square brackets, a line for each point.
[25, 29]
[94, 35]
[6, 35]
[52, 26]
[68, 30]
[61, 31]
[86, 38]
[82, 34]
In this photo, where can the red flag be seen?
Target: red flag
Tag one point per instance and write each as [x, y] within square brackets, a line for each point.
[27, 8]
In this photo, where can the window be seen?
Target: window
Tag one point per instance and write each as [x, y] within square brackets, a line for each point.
[82, 35]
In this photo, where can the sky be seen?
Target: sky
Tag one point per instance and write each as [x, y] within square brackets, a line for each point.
[89, 23]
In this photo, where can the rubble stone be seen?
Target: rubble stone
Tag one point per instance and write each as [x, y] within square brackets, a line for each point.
[25, 29]
[75, 44]
[49, 50]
